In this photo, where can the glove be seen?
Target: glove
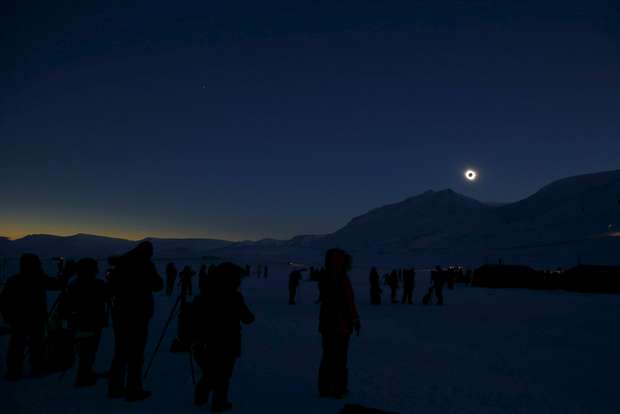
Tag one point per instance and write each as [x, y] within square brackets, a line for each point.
[357, 327]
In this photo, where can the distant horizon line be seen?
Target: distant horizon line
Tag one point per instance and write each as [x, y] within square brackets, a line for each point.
[123, 238]
[233, 240]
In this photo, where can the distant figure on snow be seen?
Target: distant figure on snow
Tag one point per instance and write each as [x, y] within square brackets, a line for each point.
[203, 278]
[216, 335]
[408, 285]
[438, 277]
[293, 283]
[171, 278]
[392, 282]
[427, 299]
[132, 283]
[338, 319]
[186, 276]
[375, 288]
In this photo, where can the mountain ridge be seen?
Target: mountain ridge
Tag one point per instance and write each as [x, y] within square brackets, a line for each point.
[577, 208]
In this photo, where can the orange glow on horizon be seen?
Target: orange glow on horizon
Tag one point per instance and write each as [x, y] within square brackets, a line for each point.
[13, 231]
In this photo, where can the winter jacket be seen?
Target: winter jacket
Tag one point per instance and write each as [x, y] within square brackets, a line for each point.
[23, 301]
[84, 304]
[338, 313]
[131, 286]
[216, 322]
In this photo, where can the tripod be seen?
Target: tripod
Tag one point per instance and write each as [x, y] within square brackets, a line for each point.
[163, 334]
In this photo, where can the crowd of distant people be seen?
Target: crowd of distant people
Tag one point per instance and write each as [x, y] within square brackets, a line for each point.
[395, 280]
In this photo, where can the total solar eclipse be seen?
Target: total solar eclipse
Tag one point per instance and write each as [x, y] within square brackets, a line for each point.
[471, 175]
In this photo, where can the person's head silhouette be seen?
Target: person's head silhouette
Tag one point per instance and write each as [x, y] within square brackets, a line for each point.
[30, 264]
[87, 268]
[144, 250]
[337, 261]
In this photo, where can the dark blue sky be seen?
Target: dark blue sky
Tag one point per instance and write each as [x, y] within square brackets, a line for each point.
[269, 119]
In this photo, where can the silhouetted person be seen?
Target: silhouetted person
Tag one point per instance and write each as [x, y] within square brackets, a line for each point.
[171, 278]
[338, 319]
[427, 299]
[468, 277]
[182, 341]
[392, 282]
[266, 272]
[23, 304]
[211, 270]
[203, 278]
[293, 283]
[186, 276]
[132, 284]
[60, 264]
[451, 276]
[84, 307]
[216, 335]
[408, 285]
[438, 277]
[59, 347]
[375, 288]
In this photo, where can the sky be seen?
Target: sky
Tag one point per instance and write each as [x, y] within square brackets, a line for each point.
[259, 119]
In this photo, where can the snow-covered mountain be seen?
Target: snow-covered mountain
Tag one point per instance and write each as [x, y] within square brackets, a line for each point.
[570, 220]
[572, 210]
[585, 206]
[567, 221]
[431, 218]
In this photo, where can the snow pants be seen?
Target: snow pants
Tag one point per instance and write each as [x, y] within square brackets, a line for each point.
[34, 341]
[217, 369]
[333, 372]
[129, 342]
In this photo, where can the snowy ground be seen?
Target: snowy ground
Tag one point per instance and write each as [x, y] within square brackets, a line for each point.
[486, 351]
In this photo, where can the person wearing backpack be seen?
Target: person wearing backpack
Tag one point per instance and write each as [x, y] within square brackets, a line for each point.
[84, 307]
[217, 315]
[131, 284]
[23, 304]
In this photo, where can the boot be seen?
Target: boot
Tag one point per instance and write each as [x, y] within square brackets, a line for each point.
[116, 381]
[12, 376]
[116, 392]
[219, 408]
[342, 388]
[201, 393]
[86, 379]
[220, 397]
[138, 395]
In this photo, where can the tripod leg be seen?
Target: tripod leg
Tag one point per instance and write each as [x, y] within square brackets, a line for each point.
[161, 337]
[191, 364]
